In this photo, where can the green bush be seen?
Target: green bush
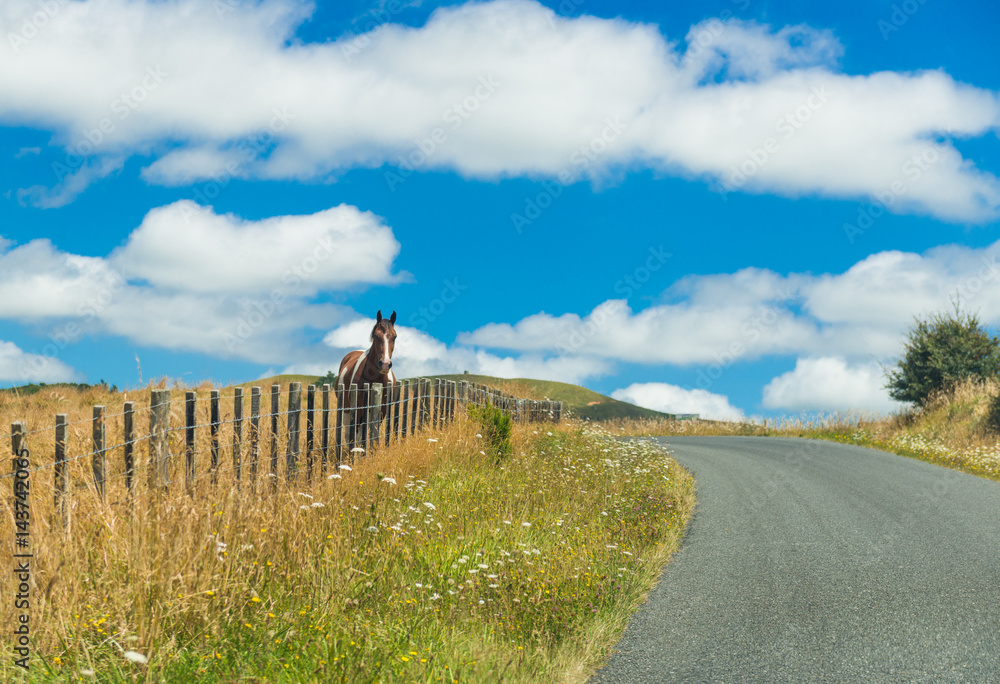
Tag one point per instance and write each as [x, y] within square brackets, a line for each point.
[993, 415]
[941, 351]
[496, 429]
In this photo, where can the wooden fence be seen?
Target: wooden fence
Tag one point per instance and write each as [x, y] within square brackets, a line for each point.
[334, 433]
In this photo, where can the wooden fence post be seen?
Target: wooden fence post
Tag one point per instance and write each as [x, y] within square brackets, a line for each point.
[254, 433]
[98, 458]
[338, 433]
[294, 426]
[404, 395]
[215, 419]
[433, 394]
[17, 431]
[351, 421]
[190, 418]
[129, 427]
[61, 478]
[159, 447]
[275, 409]
[325, 455]
[374, 415]
[395, 401]
[389, 392]
[364, 395]
[414, 404]
[238, 435]
[310, 419]
[424, 407]
[17, 445]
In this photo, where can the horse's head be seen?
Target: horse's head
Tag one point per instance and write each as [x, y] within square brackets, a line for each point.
[383, 340]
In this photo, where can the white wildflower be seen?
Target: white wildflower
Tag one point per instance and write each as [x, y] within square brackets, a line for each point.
[136, 657]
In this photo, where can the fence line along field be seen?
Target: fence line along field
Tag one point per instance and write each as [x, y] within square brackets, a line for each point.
[363, 569]
[330, 433]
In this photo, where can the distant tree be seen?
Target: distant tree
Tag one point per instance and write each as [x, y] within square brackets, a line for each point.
[945, 349]
[330, 378]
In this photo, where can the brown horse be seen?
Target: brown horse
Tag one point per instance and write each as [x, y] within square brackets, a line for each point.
[373, 366]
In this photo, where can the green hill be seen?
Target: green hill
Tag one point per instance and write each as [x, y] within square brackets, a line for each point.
[582, 402]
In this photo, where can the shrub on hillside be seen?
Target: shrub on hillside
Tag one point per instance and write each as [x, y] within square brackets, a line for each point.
[941, 351]
[496, 429]
[993, 415]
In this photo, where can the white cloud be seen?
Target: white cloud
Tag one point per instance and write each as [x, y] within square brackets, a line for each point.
[725, 318]
[661, 396]
[190, 279]
[20, 367]
[188, 247]
[830, 384]
[513, 88]
[71, 184]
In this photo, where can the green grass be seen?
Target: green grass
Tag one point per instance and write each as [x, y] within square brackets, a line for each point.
[462, 570]
[582, 402]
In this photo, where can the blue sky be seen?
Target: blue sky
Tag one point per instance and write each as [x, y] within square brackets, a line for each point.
[733, 208]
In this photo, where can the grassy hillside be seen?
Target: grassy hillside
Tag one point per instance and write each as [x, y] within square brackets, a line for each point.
[425, 560]
[953, 430]
[583, 403]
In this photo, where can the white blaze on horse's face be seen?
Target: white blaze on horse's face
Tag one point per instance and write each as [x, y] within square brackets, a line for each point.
[385, 363]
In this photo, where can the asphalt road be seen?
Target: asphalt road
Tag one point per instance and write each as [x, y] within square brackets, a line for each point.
[811, 561]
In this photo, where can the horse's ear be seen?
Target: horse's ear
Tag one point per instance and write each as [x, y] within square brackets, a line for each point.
[378, 316]
[392, 318]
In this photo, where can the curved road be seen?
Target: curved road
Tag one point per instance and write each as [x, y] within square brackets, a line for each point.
[811, 561]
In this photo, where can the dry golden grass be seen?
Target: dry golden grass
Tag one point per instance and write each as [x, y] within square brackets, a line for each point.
[331, 578]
